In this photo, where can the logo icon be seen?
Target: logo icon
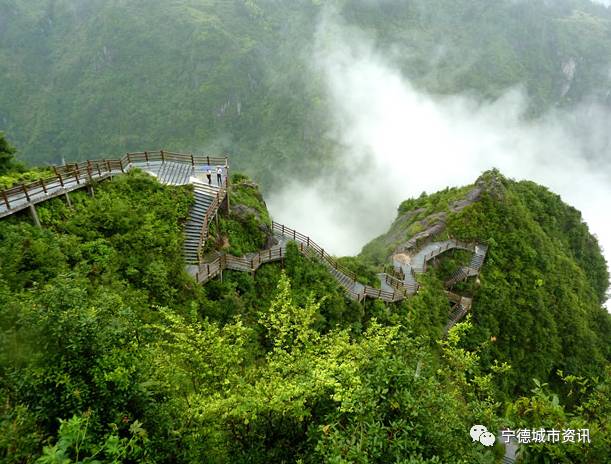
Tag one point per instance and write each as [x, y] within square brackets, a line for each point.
[480, 433]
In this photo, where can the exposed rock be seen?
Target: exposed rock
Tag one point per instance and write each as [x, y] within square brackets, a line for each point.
[254, 187]
[243, 212]
[425, 235]
[568, 69]
[224, 242]
[434, 224]
[402, 258]
[400, 225]
[433, 219]
[492, 182]
[471, 198]
[271, 241]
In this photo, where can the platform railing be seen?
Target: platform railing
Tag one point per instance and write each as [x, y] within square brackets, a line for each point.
[85, 172]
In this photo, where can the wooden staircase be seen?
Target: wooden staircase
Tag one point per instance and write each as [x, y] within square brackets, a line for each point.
[181, 169]
[171, 173]
[462, 305]
[464, 272]
[169, 168]
[196, 224]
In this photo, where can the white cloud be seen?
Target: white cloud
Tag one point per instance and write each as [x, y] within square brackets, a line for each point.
[399, 142]
[603, 2]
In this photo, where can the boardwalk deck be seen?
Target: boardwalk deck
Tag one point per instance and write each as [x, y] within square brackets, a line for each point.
[169, 168]
[181, 169]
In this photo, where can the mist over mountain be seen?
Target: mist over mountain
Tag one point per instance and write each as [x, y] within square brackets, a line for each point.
[398, 141]
[359, 100]
[458, 150]
[82, 79]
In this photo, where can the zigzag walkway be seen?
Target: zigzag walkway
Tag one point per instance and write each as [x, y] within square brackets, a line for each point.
[396, 289]
[407, 266]
[180, 169]
[307, 247]
[168, 167]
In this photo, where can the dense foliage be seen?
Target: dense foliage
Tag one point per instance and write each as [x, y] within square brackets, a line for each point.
[247, 228]
[13, 172]
[543, 286]
[80, 79]
[10, 169]
[109, 352]
[541, 291]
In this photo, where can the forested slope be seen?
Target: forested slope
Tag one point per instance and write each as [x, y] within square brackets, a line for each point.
[109, 351]
[82, 79]
[541, 291]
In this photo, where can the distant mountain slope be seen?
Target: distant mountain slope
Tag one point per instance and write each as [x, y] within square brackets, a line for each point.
[82, 79]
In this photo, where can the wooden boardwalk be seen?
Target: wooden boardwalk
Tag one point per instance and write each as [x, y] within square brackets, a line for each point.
[181, 169]
[169, 168]
[392, 289]
[307, 247]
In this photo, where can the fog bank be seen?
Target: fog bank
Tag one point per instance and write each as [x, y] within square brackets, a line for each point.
[399, 142]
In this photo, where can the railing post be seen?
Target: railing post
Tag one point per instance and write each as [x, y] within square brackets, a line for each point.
[121, 164]
[8, 205]
[308, 242]
[108, 165]
[162, 156]
[129, 159]
[89, 170]
[192, 160]
[146, 156]
[97, 165]
[76, 173]
[208, 160]
[44, 187]
[25, 190]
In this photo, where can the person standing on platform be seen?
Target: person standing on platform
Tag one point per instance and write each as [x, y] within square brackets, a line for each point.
[209, 176]
[219, 175]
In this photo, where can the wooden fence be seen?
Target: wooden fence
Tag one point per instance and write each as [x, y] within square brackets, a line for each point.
[307, 247]
[450, 244]
[83, 173]
[310, 248]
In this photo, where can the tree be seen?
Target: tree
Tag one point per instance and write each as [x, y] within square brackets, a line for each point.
[7, 159]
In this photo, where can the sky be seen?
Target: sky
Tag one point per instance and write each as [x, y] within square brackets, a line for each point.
[399, 142]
